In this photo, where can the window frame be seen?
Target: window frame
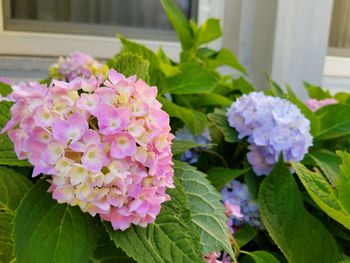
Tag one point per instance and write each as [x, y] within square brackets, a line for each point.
[44, 44]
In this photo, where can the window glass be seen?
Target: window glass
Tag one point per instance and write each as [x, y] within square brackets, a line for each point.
[139, 18]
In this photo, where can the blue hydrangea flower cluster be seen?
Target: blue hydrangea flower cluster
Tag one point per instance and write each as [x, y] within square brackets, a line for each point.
[272, 126]
[237, 194]
[191, 156]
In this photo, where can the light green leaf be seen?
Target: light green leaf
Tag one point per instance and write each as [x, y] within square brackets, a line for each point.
[7, 153]
[46, 231]
[274, 89]
[196, 121]
[180, 146]
[181, 25]
[5, 89]
[226, 57]
[130, 64]
[329, 164]
[243, 85]
[13, 186]
[334, 121]
[259, 257]
[324, 195]
[207, 32]
[317, 92]
[220, 176]
[172, 237]
[192, 79]
[155, 73]
[300, 236]
[311, 116]
[207, 210]
[245, 234]
[219, 120]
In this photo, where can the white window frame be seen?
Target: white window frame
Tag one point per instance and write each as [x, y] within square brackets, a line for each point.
[22, 43]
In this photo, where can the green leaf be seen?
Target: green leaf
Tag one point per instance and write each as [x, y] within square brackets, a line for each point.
[259, 257]
[207, 210]
[131, 64]
[172, 237]
[220, 176]
[5, 89]
[219, 120]
[212, 99]
[207, 32]
[154, 72]
[324, 195]
[245, 234]
[7, 154]
[13, 186]
[180, 146]
[311, 116]
[226, 57]
[342, 97]
[192, 79]
[274, 89]
[243, 85]
[181, 25]
[300, 236]
[317, 92]
[196, 121]
[334, 121]
[46, 231]
[107, 252]
[6, 239]
[329, 164]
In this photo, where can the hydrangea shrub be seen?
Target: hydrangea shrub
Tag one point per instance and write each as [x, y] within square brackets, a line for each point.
[87, 172]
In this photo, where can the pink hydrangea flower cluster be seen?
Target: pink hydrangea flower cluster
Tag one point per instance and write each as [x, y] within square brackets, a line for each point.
[107, 147]
[217, 257]
[315, 105]
[75, 65]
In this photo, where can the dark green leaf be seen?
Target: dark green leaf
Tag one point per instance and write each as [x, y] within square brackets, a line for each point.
[329, 164]
[220, 176]
[212, 99]
[172, 238]
[219, 120]
[180, 23]
[131, 64]
[334, 121]
[207, 32]
[300, 236]
[192, 79]
[245, 234]
[13, 186]
[317, 92]
[46, 231]
[196, 121]
[259, 257]
[107, 252]
[207, 210]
